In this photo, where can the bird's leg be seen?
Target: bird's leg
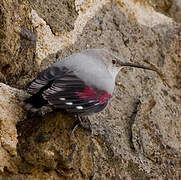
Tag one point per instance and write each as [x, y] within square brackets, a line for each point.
[80, 122]
[77, 123]
[33, 114]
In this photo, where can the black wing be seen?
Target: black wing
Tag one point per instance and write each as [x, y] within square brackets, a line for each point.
[64, 90]
[44, 79]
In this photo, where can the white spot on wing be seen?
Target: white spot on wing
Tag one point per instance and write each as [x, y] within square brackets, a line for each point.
[62, 99]
[96, 104]
[69, 103]
[79, 107]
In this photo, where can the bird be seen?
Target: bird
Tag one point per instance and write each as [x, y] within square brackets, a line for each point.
[81, 84]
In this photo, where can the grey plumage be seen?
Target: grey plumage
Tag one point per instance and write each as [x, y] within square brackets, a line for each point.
[82, 83]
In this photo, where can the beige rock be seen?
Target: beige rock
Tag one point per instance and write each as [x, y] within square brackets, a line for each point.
[169, 8]
[17, 42]
[175, 10]
[10, 114]
[138, 135]
[59, 15]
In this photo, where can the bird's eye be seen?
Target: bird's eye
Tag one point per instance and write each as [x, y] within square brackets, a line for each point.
[113, 61]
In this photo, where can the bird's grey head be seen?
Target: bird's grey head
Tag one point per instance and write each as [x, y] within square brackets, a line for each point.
[113, 63]
[108, 59]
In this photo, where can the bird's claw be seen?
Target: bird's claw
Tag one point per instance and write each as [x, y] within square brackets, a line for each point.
[79, 122]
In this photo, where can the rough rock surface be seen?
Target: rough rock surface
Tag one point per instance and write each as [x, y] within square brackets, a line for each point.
[138, 136]
[11, 114]
[59, 15]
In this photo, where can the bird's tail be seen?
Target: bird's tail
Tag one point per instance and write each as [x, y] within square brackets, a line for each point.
[29, 107]
[35, 102]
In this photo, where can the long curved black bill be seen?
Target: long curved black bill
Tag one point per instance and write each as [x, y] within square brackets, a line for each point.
[135, 65]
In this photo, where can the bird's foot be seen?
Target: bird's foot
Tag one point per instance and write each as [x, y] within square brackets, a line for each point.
[80, 122]
[31, 115]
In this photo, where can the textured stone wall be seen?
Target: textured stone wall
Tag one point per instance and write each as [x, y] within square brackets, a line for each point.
[138, 136]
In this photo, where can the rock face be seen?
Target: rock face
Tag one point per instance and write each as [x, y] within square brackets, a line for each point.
[138, 136]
